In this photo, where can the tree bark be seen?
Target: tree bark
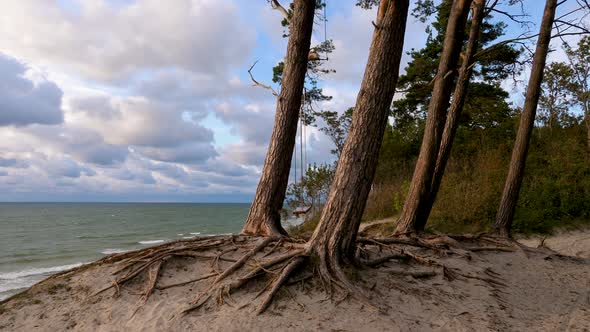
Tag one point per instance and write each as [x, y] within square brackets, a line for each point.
[410, 221]
[503, 223]
[335, 236]
[264, 217]
[452, 122]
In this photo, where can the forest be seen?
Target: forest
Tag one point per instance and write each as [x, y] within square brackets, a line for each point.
[555, 186]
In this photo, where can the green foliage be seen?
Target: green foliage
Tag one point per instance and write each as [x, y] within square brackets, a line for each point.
[367, 4]
[313, 189]
[579, 63]
[556, 187]
[555, 191]
[305, 229]
[486, 106]
[336, 127]
[557, 184]
[490, 69]
[556, 98]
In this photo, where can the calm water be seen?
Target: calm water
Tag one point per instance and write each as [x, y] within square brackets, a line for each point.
[37, 239]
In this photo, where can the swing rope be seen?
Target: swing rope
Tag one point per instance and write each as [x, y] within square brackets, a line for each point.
[302, 117]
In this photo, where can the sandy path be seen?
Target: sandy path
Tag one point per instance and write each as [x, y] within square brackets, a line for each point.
[571, 243]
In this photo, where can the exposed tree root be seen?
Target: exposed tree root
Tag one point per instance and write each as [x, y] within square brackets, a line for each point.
[384, 259]
[281, 279]
[140, 261]
[506, 249]
[259, 269]
[413, 274]
[243, 260]
[450, 243]
[238, 260]
[409, 241]
[207, 276]
[152, 279]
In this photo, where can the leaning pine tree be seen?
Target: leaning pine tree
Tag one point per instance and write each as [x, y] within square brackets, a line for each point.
[410, 221]
[264, 217]
[452, 121]
[503, 224]
[334, 239]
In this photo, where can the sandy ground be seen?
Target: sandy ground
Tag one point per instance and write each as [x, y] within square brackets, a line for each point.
[520, 290]
[571, 243]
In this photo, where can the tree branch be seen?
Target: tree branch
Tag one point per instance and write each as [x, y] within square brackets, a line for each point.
[489, 8]
[256, 83]
[276, 5]
[521, 38]
[583, 29]
[513, 17]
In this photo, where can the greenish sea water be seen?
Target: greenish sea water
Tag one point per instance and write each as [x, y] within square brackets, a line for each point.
[38, 239]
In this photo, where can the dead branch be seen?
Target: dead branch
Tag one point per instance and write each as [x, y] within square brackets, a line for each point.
[256, 83]
[514, 17]
[276, 5]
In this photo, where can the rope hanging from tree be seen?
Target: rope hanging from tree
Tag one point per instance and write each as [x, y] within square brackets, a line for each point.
[303, 165]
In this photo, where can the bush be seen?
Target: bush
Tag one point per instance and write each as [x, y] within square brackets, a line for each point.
[555, 191]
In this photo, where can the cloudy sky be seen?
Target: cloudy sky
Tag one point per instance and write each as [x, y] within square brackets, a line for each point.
[149, 100]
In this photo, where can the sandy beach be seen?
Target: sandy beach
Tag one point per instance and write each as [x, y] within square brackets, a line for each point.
[536, 289]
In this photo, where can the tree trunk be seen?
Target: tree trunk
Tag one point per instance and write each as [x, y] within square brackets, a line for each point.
[410, 221]
[335, 236]
[455, 110]
[503, 223]
[264, 217]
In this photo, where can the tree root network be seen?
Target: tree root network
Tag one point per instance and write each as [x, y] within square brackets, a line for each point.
[283, 262]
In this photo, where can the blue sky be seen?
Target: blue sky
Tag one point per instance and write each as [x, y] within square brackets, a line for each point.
[149, 100]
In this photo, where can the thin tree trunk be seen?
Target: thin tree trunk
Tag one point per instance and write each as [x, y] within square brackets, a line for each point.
[455, 110]
[264, 218]
[503, 223]
[409, 221]
[335, 235]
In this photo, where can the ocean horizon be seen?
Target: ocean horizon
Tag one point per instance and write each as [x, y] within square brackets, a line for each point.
[38, 239]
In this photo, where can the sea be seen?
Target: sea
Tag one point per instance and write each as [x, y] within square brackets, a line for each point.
[39, 239]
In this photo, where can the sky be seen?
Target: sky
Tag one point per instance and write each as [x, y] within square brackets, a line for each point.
[149, 100]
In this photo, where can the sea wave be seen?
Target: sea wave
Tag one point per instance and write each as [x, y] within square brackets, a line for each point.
[37, 271]
[111, 251]
[196, 233]
[10, 281]
[151, 241]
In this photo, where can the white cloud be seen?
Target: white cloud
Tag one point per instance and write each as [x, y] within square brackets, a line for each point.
[105, 42]
[137, 121]
[141, 79]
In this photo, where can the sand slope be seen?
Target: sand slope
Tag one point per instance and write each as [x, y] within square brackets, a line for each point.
[499, 291]
[571, 243]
